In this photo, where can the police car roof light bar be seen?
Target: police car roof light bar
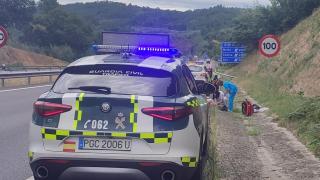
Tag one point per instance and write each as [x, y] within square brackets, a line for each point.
[142, 50]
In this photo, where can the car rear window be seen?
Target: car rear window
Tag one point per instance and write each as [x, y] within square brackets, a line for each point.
[195, 68]
[122, 79]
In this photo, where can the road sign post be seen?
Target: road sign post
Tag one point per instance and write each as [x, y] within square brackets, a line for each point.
[269, 46]
[3, 36]
[232, 52]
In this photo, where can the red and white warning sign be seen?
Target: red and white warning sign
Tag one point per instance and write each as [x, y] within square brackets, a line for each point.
[3, 36]
[269, 45]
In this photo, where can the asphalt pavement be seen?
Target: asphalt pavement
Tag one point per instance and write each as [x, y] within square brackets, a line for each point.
[15, 116]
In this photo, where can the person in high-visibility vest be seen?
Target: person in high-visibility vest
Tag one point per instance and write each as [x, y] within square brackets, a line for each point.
[232, 90]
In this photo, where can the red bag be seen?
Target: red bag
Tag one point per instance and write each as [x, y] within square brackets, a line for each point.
[247, 108]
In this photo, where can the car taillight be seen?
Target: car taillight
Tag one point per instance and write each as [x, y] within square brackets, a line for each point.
[47, 109]
[168, 113]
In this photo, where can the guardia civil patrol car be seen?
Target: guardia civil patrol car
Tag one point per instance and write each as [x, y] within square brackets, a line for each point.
[131, 112]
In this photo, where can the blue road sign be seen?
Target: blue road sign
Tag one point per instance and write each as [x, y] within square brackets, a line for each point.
[231, 44]
[231, 60]
[228, 54]
[232, 52]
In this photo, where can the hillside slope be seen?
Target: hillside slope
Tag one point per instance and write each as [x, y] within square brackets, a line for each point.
[11, 56]
[297, 69]
[289, 84]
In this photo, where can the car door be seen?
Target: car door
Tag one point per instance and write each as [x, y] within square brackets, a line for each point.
[202, 98]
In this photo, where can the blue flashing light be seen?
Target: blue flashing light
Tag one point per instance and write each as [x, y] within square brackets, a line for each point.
[156, 51]
[141, 50]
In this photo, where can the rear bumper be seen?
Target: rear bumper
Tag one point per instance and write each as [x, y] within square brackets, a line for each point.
[84, 169]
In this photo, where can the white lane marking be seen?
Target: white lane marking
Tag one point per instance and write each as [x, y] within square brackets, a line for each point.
[33, 87]
[30, 178]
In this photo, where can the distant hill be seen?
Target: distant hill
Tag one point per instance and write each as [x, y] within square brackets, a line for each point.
[13, 56]
[192, 31]
[114, 16]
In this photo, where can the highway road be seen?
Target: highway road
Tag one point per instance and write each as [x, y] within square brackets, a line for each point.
[15, 116]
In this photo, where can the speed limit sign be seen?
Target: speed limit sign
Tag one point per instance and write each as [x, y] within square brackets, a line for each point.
[269, 45]
[3, 36]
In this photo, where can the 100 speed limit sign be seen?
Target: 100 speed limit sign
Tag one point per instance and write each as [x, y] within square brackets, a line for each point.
[3, 36]
[269, 45]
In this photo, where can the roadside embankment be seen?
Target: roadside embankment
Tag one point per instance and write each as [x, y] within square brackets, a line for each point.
[257, 148]
[289, 84]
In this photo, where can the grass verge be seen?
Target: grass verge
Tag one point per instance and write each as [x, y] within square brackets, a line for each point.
[299, 114]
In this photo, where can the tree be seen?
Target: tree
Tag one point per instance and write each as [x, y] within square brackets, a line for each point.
[47, 5]
[16, 12]
[292, 11]
[57, 28]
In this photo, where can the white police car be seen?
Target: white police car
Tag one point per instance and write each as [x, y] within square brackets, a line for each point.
[133, 114]
[198, 71]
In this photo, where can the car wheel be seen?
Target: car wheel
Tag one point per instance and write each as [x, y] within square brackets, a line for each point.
[198, 175]
[205, 146]
[35, 178]
[199, 169]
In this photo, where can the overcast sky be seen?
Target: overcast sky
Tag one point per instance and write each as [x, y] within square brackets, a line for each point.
[183, 4]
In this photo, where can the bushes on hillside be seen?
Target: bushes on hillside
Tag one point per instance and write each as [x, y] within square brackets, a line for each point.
[306, 120]
[281, 16]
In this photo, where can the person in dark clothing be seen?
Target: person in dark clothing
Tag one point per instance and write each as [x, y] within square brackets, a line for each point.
[215, 83]
[208, 69]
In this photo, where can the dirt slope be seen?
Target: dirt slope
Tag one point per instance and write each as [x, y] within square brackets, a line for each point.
[10, 55]
[297, 68]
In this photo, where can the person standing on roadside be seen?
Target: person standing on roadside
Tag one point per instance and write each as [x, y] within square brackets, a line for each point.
[208, 69]
[215, 83]
[232, 90]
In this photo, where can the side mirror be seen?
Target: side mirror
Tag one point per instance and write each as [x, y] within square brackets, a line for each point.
[204, 87]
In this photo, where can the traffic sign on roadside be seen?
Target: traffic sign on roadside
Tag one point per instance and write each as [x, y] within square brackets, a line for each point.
[269, 46]
[3, 36]
[231, 44]
[232, 52]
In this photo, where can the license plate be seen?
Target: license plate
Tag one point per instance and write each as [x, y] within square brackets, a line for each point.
[105, 144]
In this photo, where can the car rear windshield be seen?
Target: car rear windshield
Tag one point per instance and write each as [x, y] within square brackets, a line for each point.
[121, 79]
[195, 68]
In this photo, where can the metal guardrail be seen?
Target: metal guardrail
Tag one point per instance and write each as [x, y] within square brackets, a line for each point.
[28, 75]
[26, 68]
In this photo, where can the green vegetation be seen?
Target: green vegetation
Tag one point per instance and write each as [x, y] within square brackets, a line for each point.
[266, 90]
[17, 13]
[285, 83]
[306, 121]
[253, 131]
[45, 28]
[66, 32]
[298, 113]
[57, 30]
[194, 32]
[281, 16]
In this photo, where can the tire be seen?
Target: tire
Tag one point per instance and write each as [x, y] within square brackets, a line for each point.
[35, 178]
[205, 143]
[199, 169]
[204, 151]
[198, 175]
